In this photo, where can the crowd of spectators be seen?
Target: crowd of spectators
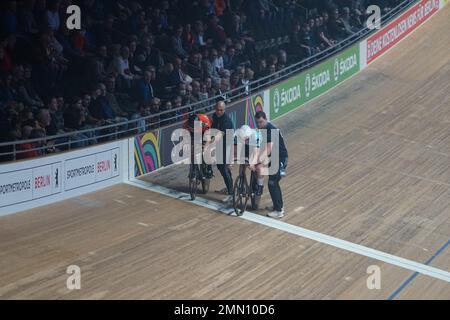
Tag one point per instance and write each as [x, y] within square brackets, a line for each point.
[142, 58]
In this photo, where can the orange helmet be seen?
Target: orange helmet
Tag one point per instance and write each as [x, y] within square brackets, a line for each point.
[202, 118]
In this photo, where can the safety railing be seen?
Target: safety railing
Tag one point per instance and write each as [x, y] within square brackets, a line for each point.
[135, 126]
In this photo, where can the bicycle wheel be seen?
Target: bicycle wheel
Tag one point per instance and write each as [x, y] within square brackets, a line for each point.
[193, 181]
[205, 181]
[254, 186]
[240, 195]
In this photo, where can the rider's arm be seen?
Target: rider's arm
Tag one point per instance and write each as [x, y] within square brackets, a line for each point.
[254, 158]
[267, 150]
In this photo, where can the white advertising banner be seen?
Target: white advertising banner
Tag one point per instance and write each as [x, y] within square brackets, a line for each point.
[83, 171]
[16, 187]
[46, 180]
[54, 178]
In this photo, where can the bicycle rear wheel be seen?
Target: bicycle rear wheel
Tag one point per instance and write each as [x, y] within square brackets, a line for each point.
[240, 195]
[254, 186]
[193, 182]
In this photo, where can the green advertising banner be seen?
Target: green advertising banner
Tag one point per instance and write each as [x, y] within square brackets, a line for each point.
[311, 83]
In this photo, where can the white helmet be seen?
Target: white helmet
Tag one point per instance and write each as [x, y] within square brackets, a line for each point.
[244, 133]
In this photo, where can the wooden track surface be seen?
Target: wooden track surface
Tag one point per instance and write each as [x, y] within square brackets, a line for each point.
[369, 163]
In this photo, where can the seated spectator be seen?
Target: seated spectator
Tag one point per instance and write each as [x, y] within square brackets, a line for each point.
[199, 34]
[346, 21]
[52, 15]
[146, 54]
[194, 66]
[142, 124]
[188, 37]
[121, 66]
[178, 76]
[27, 21]
[229, 60]
[154, 111]
[75, 120]
[96, 70]
[336, 27]
[209, 69]
[307, 43]
[102, 108]
[282, 59]
[5, 60]
[31, 149]
[218, 60]
[322, 33]
[144, 92]
[177, 43]
[111, 96]
[90, 120]
[74, 116]
[7, 92]
[8, 17]
[215, 31]
[24, 87]
[168, 117]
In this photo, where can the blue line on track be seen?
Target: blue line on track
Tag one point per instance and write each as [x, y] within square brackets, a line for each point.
[415, 274]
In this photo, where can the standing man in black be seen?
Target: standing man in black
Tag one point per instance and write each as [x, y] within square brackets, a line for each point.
[274, 179]
[222, 122]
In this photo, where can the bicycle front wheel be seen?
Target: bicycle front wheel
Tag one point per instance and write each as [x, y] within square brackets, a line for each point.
[240, 195]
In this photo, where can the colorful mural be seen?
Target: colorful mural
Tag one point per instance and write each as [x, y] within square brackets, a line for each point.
[147, 155]
[254, 104]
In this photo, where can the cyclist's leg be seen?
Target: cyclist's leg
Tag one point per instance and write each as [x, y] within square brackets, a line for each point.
[208, 167]
[259, 179]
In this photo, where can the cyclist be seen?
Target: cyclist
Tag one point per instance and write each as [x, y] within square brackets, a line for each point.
[204, 124]
[251, 139]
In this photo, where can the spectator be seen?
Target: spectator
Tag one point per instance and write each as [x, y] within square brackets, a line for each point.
[336, 27]
[27, 22]
[178, 76]
[199, 34]
[31, 149]
[142, 124]
[111, 96]
[52, 15]
[209, 69]
[154, 111]
[121, 65]
[144, 89]
[177, 43]
[229, 60]
[8, 17]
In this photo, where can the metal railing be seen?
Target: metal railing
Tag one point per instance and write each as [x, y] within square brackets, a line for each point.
[128, 128]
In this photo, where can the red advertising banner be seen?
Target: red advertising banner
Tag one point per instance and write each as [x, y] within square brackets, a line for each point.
[395, 31]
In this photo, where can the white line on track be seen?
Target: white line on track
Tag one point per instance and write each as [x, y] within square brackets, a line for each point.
[305, 233]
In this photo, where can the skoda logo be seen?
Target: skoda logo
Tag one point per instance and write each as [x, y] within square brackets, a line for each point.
[308, 85]
[336, 70]
[276, 101]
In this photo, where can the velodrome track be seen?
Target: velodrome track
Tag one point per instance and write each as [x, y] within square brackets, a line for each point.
[369, 165]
